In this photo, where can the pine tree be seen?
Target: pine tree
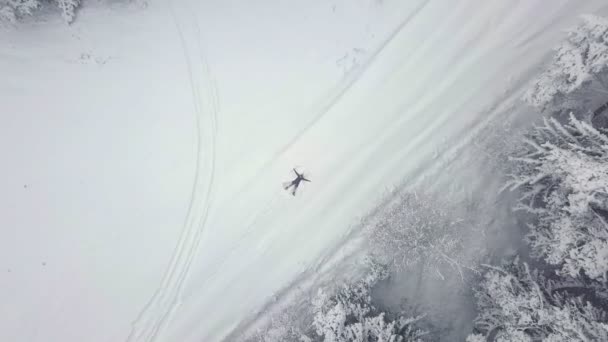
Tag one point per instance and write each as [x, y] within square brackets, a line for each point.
[12, 10]
[562, 172]
[519, 304]
[579, 66]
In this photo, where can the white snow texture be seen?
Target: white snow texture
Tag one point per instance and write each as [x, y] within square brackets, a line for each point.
[144, 149]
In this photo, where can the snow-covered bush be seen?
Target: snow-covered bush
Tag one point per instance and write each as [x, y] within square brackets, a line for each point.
[421, 229]
[519, 304]
[349, 316]
[563, 174]
[344, 313]
[12, 11]
[282, 328]
[579, 65]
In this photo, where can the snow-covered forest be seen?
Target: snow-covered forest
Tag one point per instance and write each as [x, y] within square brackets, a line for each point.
[342, 171]
[552, 288]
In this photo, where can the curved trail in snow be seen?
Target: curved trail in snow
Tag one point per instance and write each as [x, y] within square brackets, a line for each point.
[158, 311]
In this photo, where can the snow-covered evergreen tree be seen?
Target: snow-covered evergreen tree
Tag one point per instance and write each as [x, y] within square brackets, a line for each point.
[12, 11]
[349, 316]
[342, 314]
[579, 66]
[518, 304]
[421, 229]
[563, 174]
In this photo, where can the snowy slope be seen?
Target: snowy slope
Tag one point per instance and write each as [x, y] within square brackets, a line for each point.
[145, 149]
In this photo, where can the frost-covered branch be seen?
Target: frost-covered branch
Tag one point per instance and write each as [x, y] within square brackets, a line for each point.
[11, 11]
[519, 304]
[577, 65]
[421, 228]
[563, 177]
[349, 316]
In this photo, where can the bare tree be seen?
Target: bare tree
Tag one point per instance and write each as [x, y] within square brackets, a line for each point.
[422, 229]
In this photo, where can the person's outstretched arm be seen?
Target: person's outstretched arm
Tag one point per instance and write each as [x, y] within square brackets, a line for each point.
[306, 180]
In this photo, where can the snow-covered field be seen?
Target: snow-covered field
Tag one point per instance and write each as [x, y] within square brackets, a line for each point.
[144, 149]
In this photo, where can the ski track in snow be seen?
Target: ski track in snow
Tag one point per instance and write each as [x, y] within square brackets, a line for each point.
[435, 75]
[159, 310]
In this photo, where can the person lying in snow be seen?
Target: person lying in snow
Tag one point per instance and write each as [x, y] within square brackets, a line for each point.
[296, 182]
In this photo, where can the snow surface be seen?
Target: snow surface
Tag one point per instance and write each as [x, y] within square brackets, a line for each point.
[144, 149]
